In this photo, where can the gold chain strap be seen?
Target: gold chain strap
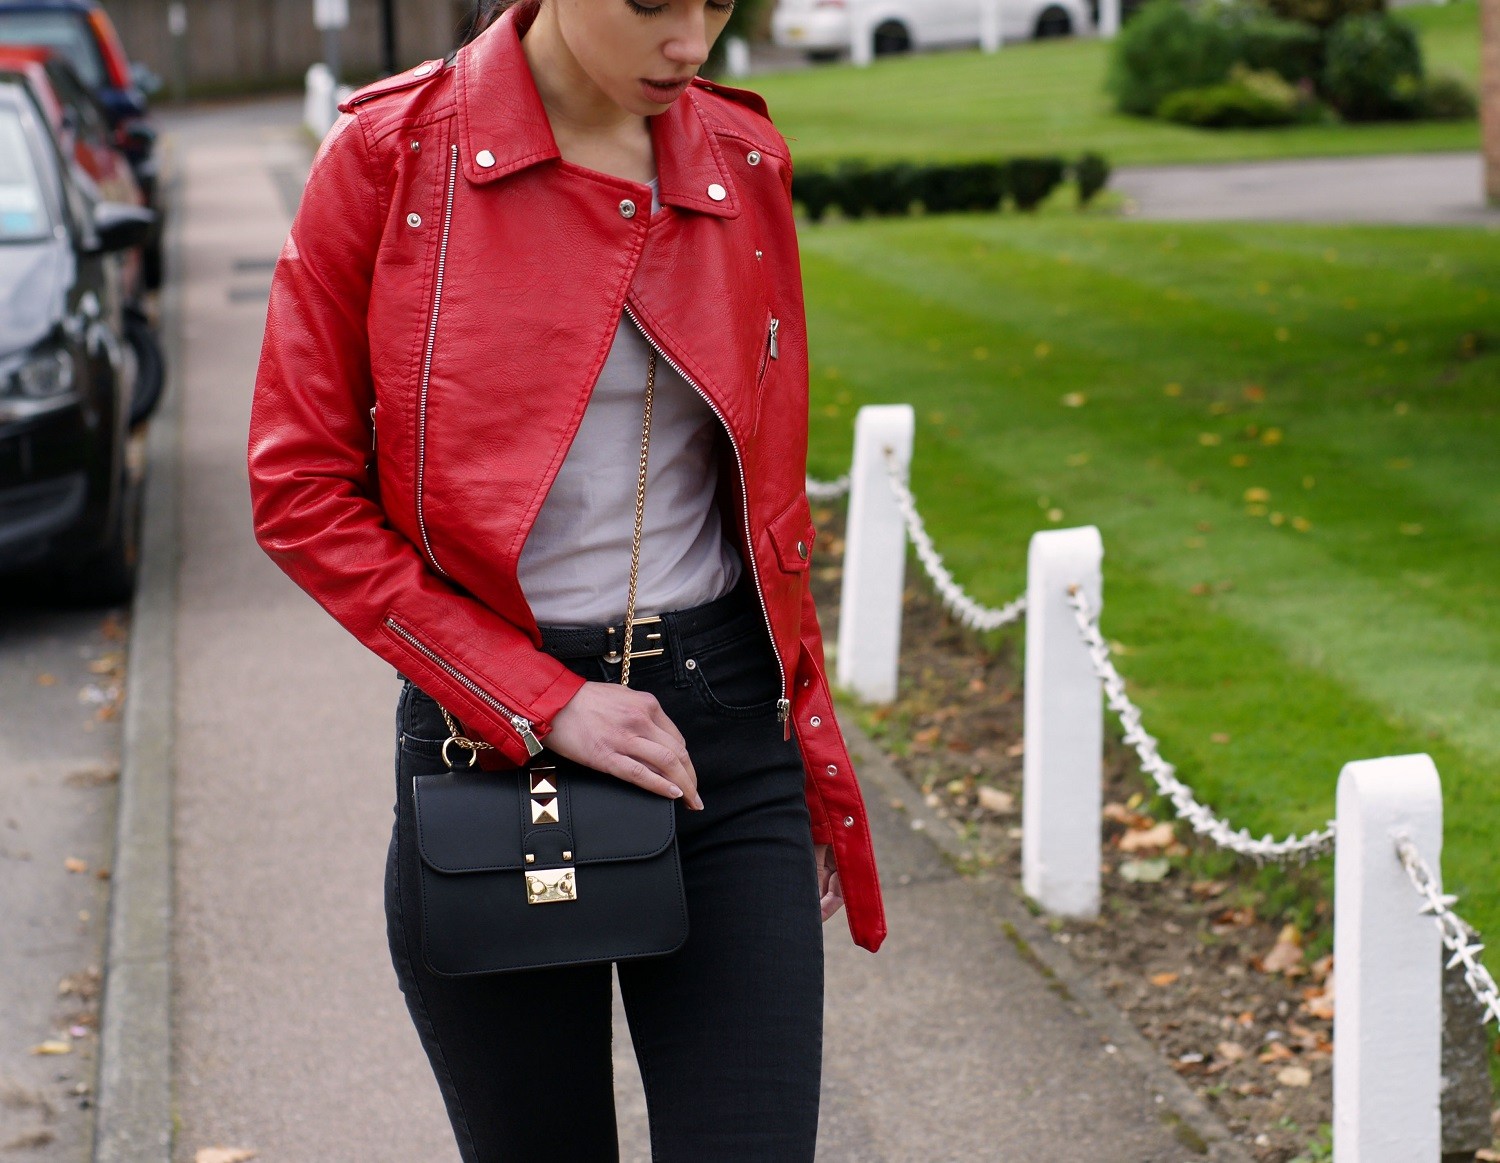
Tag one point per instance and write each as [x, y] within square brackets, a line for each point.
[456, 736]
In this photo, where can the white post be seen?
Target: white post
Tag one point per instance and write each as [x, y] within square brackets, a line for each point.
[874, 555]
[989, 26]
[1388, 1018]
[861, 34]
[1064, 716]
[1109, 18]
[737, 56]
[319, 102]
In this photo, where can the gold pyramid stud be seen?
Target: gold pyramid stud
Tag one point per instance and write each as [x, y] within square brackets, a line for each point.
[544, 811]
[540, 783]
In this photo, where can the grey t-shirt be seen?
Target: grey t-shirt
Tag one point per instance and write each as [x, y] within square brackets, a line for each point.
[575, 565]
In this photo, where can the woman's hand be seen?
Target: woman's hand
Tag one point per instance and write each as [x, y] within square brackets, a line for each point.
[830, 890]
[625, 733]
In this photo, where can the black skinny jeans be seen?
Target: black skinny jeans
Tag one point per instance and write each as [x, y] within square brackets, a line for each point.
[728, 1029]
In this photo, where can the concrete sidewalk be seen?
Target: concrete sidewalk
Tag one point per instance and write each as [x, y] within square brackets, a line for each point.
[1434, 189]
[290, 1035]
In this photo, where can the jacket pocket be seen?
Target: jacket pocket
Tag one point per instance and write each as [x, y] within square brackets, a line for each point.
[770, 348]
[792, 534]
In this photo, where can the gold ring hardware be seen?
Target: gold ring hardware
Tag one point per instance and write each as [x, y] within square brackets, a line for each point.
[452, 739]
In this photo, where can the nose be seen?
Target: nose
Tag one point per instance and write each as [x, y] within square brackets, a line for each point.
[690, 45]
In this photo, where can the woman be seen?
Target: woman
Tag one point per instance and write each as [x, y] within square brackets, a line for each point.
[493, 257]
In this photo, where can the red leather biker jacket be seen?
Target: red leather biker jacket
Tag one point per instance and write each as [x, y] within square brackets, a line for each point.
[438, 316]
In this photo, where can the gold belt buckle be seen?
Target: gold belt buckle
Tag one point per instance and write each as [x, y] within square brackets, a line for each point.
[614, 654]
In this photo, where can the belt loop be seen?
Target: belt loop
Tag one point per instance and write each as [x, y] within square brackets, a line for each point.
[673, 636]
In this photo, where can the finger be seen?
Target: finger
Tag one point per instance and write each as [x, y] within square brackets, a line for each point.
[678, 742]
[634, 771]
[672, 763]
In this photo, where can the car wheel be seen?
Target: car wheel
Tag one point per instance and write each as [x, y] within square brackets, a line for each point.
[892, 37]
[1054, 21]
[107, 576]
[151, 371]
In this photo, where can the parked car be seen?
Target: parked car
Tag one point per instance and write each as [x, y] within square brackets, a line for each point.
[81, 32]
[69, 480]
[823, 28]
[79, 124]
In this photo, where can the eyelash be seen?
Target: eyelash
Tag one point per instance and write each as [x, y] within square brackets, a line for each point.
[657, 10]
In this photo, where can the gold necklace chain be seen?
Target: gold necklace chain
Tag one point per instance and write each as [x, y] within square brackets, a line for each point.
[473, 746]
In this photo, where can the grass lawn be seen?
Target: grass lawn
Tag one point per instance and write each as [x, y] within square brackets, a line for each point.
[1048, 96]
[1352, 373]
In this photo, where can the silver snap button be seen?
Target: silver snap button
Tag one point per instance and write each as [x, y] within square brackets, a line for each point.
[717, 192]
[691, 664]
[421, 70]
[485, 158]
[848, 821]
[757, 255]
[832, 769]
[802, 550]
[414, 219]
[815, 721]
[807, 682]
[627, 208]
[416, 147]
[753, 157]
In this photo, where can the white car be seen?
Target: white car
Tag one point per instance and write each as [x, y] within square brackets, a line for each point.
[821, 28]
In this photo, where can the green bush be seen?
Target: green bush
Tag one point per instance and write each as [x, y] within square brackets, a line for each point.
[1031, 179]
[1373, 68]
[853, 188]
[1246, 101]
[945, 189]
[1167, 46]
[813, 187]
[1322, 14]
[1290, 48]
[1448, 98]
[1091, 173]
[893, 188]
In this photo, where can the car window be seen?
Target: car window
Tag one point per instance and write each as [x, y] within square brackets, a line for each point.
[88, 119]
[23, 207]
[63, 32]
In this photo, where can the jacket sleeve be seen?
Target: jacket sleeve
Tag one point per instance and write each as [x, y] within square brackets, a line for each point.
[313, 483]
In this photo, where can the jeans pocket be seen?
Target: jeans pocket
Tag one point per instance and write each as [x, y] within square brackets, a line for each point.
[738, 680]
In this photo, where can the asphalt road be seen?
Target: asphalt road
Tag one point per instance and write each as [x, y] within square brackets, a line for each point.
[59, 758]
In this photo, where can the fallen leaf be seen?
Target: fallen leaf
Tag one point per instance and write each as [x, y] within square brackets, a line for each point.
[1151, 839]
[223, 1155]
[1016, 750]
[1286, 955]
[1208, 889]
[1209, 439]
[1257, 495]
[1163, 979]
[1231, 1052]
[1322, 967]
[73, 864]
[1234, 918]
[1075, 400]
[976, 686]
[1145, 871]
[46, 680]
[53, 1046]
[1294, 1076]
[102, 873]
[1276, 1052]
[993, 799]
[1219, 737]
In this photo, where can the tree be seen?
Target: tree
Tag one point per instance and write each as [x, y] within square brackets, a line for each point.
[1489, 99]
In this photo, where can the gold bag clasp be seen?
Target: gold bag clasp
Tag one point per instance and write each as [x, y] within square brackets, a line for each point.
[548, 885]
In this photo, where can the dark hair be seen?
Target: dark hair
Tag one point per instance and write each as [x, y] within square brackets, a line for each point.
[485, 13]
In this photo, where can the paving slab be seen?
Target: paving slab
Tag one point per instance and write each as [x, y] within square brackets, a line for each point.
[290, 1035]
[1433, 189]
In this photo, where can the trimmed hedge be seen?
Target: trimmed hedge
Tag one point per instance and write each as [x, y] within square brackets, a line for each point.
[858, 188]
[1374, 68]
[1165, 47]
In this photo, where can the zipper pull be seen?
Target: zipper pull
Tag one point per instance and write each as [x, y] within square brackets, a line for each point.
[784, 717]
[775, 327]
[528, 736]
[372, 429]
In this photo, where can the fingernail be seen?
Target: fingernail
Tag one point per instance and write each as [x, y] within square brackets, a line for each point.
[698, 806]
[675, 793]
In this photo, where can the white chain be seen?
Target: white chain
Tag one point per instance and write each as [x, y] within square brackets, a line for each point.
[827, 490]
[1200, 817]
[1458, 937]
[958, 603]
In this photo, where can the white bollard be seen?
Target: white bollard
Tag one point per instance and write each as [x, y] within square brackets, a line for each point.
[1063, 762]
[874, 555]
[989, 26]
[318, 108]
[737, 56]
[1109, 18]
[1388, 1017]
[861, 34]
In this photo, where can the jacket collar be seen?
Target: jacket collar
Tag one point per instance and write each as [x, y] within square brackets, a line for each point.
[501, 120]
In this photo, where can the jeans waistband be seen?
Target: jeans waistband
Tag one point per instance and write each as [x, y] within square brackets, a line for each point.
[598, 641]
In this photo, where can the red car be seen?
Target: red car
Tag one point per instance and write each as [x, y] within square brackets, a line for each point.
[82, 128]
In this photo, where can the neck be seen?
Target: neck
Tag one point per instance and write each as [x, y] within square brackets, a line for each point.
[572, 100]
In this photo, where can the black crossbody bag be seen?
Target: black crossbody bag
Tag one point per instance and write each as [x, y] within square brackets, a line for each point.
[554, 863]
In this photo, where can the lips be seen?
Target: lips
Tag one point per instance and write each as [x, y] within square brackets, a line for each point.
[664, 92]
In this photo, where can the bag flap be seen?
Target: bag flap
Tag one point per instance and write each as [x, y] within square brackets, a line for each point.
[478, 821]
